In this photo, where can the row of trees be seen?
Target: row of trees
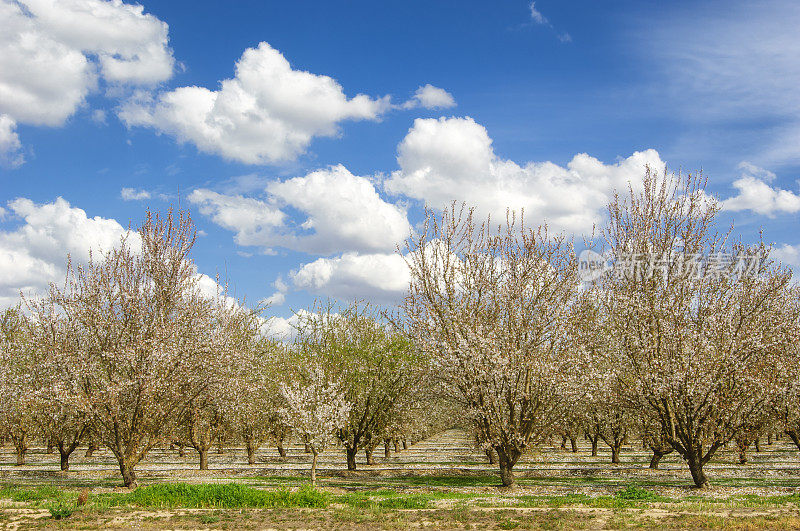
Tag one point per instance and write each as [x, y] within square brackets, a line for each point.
[129, 354]
[496, 321]
[697, 354]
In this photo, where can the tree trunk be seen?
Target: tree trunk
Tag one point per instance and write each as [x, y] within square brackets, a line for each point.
[281, 449]
[314, 468]
[181, 451]
[91, 449]
[307, 449]
[742, 455]
[251, 451]
[21, 448]
[405, 444]
[563, 442]
[396, 445]
[351, 458]
[757, 445]
[65, 453]
[615, 453]
[203, 458]
[656, 459]
[20, 451]
[506, 467]
[794, 437]
[490, 454]
[574, 444]
[220, 445]
[769, 438]
[368, 453]
[696, 468]
[128, 474]
[386, 452]
[594, 446]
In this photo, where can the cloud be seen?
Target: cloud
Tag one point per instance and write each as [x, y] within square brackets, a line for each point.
[337, 211]
[538, 18]
[381, 277]
[733, 67]
[452, 159]
[536, 15]
[430, 97]
[10, 147]
[757, 195]
[54, 52]
[276, 299]
[132, 194]
[99, 116]
[35, 253]
[279, 296]
[268, 113]
[254, 221]
[787, 255]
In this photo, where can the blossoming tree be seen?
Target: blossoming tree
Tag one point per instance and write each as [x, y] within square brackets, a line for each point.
[490, 306]
[315, 408]
[700, 339]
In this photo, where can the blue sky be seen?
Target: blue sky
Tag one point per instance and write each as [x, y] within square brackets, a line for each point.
[310, 165]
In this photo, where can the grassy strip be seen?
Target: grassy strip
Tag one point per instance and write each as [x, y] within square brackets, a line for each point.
[222, 496]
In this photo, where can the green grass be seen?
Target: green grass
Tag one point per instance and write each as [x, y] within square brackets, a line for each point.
[224, 496]
[32, 494]
[60, 509]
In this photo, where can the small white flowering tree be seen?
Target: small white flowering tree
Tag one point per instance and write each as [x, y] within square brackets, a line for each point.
[315, 408]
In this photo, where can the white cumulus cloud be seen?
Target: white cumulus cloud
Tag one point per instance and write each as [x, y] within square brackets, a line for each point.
[10, 146]
[787, 255]
[430, 97]
[35, 253]
[381, 277]
[757, 195]
[338, 211]
[452, 159]
[53, 52]
[267, 113]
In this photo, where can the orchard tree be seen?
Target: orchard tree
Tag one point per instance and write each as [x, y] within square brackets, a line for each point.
[17, 404]
[146, 332]
[376, 364]
[255, 413]
[209, 414]
[699, 325]
[53, 342]
[315, 408]
[490, 305]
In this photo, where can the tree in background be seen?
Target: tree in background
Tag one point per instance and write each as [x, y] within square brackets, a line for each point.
[54, 339]
[375, 363]
[17, 404]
